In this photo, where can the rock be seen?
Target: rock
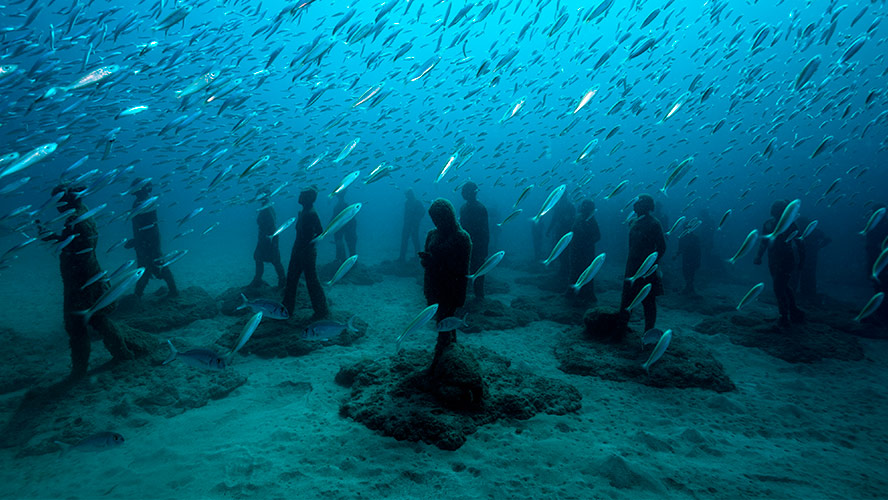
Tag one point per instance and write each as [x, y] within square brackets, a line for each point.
[457, 381]
[161, 314]
[396, 397]
[621, 475]
[491, 314]
[282, 338]
[606, 324]
[686, 363]
[359, 274]
[230, 299]
[139, 387]
[807, 343]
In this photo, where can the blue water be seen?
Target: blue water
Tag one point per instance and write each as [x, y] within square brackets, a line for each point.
[763, 151]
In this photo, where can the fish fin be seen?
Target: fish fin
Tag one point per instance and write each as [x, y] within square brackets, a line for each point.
[351, 323]
[173, 353]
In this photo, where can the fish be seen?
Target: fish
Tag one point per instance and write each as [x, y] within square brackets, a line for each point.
[121, 269]
[327, 329]
[748, 244]
[853, 49]
[34, 156]
[751, 295]
[676, 175]
[559, 247]
[255, 165]
[723, 219]
[879, 264]
[524, 193]
[112, 294]
[94, 76]
[807, 72]
[421, 319]
[341, 219]
[789, 216]
[873, 221]
[651, 336]
[131, 111]
[487, 266]
[551, 200]
[173, 18]
[515, 213]
[451, 323]
[382, 170]
[645, 267]
[246, 333]
[347, 150]
[659, 349]
[640, 296]
[343, 269]
[808, 229]
[96, 277]
[100, 441]
[871, 306]
[170, 258]
[283, 227]
[589, 273]
[617, 190]
[514, 109]
[675, 225]
[346, 182]
[269, 308]
[587, 96]
[197, 358]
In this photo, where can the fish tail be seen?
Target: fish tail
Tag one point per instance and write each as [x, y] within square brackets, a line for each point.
[663, 190]
[351, 323]
[173, 353]
[64, 447]
[575, 289]
[87, 315]
[243, 302]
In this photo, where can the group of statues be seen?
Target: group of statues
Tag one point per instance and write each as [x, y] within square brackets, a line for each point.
[455, 248]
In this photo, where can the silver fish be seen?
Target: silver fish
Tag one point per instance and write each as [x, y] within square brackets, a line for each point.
[326, 329]
[197, 358]
[270, 308]
[422, 318]
[644, 268]
[112, 294]
[347, 214]
[553, 198]
[589, 273]
[751, 295]
[343, 268]
[659, 349]
[642, 294]
[487, 266]
[559, 247]
[747, 245]
[97, 442]
[871, 306]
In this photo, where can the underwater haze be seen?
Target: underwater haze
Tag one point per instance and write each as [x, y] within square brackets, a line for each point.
[758, 129]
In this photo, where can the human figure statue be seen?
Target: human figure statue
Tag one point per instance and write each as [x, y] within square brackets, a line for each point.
[413, 213]
[645, 237]
[267, 248]
[304, 256]
[473, 218]
[78, 263]
[563, 214]
[814, 242]
[146, 240]
[445, 259]
[784, 259]
[347, 236]
[582, 250]
[690, 250]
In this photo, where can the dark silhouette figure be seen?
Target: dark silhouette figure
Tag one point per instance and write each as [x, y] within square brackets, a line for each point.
[536, 236]
[78, 263]
[784, 259]
[645, 237]
[582, 250]
[303, 258]
[473, 218]
[413, 213]
[146, 241]
[814, 242]
[448, 249]
[267, 248]
[563, 214]
[690, 250]
[875, 242]
[347, 236]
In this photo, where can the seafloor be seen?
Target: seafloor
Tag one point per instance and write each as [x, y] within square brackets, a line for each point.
[737, 410]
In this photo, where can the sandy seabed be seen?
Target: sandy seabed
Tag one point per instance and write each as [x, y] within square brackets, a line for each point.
[789, 431]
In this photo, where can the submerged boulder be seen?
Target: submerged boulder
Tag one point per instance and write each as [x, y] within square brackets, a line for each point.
[686, 363]
[282, 338]
[162, 313]
[606, 324]
[399, 398]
